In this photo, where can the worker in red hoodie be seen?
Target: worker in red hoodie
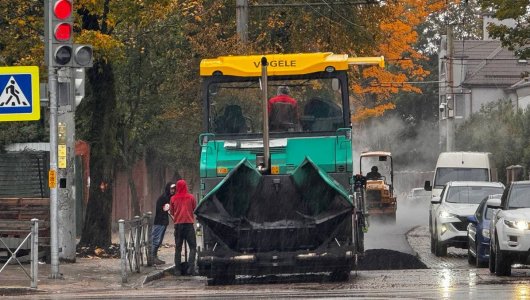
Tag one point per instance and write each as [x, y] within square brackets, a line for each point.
[181, 208]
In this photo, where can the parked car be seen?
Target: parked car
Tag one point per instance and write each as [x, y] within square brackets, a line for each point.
[510, 230]
[478, 231]
[448, 213]
[418, 195]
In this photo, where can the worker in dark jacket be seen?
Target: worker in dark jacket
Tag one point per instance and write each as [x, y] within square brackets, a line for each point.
[183, 205]
[161, 220]
[374, 174]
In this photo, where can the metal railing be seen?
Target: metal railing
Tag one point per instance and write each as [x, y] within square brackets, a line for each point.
[34, 265]
[135, 244]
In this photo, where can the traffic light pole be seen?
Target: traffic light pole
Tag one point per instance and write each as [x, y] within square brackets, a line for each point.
[52, 87]
[65, 162]
[61, 56]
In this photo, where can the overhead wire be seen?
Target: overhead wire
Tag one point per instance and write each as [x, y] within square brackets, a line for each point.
[341, 16]
[321, 14]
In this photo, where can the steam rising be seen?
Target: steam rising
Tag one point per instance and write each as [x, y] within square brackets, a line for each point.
[414, 149]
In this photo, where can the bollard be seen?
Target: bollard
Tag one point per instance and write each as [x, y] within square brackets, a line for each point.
[34, 253]
[123, 263]
[137, 249]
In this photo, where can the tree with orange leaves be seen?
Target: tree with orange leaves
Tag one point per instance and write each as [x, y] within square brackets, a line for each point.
[387, 29]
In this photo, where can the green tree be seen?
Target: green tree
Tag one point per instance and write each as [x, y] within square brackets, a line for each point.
[464, 16]
[143, 101]
[516, 38]
[155, 114]
[501, 130]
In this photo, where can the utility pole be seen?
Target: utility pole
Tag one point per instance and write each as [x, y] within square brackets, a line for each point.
[449, 95]
[242, 19]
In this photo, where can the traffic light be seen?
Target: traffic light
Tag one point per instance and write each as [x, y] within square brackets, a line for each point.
[58, 27]
[62, 32]
[60, 50]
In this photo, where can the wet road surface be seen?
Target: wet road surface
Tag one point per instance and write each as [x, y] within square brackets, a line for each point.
[448, 277]
[384, 235]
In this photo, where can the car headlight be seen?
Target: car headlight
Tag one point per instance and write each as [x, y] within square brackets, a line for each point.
[446, 215]
[486, 233]
[518, 224]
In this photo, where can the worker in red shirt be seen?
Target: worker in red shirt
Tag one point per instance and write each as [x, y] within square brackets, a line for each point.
[282, 96]
[182, 206]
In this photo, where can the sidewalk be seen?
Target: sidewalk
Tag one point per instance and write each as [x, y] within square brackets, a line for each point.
[98, 276]
[86, 274]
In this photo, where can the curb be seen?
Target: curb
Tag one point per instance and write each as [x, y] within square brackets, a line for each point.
[155, 275]
[9, 291]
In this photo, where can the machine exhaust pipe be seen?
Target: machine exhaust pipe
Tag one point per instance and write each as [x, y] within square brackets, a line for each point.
[264, 165]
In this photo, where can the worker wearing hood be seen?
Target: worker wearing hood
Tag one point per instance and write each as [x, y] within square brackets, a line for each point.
[182, 206]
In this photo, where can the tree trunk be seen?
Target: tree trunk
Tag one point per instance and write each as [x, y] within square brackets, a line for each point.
[102, 139]
[134, 193]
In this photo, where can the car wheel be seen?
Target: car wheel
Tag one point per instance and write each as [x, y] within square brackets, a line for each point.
[433, 241]
[503, 266]
[439, 248]
[479, 263]
[470, 258]
[492, 259]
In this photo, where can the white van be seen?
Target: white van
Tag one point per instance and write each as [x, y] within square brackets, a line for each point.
[461, 166]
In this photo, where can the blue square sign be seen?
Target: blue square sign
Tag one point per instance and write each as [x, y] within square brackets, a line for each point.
[19, 94]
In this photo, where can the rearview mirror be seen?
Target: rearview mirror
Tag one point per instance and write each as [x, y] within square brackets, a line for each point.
[427, 186]
[494, 205]
[472, 219]
[435, 200]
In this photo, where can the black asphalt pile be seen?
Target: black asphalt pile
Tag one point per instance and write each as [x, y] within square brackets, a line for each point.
[384, 259]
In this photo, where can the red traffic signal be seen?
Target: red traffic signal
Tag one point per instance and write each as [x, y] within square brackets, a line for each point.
[62, 9]
[62, 32]
[62, 21]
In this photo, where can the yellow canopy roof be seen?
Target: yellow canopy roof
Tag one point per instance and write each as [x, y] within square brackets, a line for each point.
[283, 64]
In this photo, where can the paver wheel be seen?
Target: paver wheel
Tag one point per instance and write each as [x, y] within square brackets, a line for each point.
[221, 279]
[220, 276]
[503, 265]
[340, 275]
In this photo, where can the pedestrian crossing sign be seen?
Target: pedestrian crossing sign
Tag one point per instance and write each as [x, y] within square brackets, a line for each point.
[19, 94]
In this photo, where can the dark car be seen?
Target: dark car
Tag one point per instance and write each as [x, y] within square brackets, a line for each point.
[478, 231]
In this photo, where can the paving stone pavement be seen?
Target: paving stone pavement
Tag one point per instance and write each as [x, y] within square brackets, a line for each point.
[419, 240]
[86, 274]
